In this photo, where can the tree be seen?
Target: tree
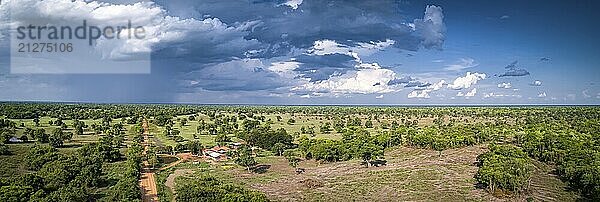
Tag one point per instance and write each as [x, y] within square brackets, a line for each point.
[89, 161]
[28, 132]
[180, 147]
[56, 139]
[245, 158]
[40, 135]
[266, 138]
[108, 151]
[175, 132]
[36, 120]
[58, 173]
[325, 128]
[126, 189]
[369, 152]
[152, 157]
[220, 138]
[6, 134]
[38, 155]
[504, 167]
[69, 193]
[292, 159]
[78, 126]
[4, 149]
[31, 180]
[369, 124]
[15, 193]
[278, 148]
[195, 147]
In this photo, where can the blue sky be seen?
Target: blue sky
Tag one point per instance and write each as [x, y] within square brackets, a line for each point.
[331, 52]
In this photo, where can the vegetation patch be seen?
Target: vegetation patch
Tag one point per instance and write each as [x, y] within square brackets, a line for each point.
[505, 168]
[208, 188]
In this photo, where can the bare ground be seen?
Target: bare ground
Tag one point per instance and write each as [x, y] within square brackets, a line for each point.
[147, 182]
[409, 175]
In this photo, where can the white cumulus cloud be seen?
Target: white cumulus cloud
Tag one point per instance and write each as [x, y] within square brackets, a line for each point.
[468, 94]
[431, 28]
[466, 81]
[326, 46]
[536, 83]
[294, 4]
[419, 94]
[424, 93]
[471, 93]
[505, 85]
[161, 30]
[363, 81]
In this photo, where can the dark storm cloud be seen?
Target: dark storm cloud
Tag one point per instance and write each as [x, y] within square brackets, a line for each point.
[418, 84]
[347, 22]
[321, 67]
[403, 80]
[513, 70]
[409, 82]
[268, 29]
[207, 45]
[237, 75]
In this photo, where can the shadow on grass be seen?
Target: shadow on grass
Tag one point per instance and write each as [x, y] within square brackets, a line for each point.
[260, 169]
[376, 163]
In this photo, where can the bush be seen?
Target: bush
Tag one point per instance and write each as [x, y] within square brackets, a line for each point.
[40, 155]
[208, 188]
[4, 149]
[504, 167]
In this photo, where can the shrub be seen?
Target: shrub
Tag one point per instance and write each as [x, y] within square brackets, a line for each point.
[504, 167]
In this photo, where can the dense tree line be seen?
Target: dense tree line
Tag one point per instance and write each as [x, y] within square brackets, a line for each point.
[574, 149]
[355, 143]
[73, 176]
[444, 137]
[266, 138]
[127, 188]
[55, 176]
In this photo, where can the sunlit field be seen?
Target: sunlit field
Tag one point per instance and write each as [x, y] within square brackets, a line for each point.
[297, 153]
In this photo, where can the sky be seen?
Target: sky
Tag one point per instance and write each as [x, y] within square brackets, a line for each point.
[325, 52]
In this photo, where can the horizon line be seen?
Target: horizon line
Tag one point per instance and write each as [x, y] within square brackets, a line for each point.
[274, 104]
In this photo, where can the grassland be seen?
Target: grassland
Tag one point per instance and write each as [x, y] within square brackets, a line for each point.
[410, 174]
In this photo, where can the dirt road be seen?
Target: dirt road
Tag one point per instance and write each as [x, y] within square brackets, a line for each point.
[147, 182]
